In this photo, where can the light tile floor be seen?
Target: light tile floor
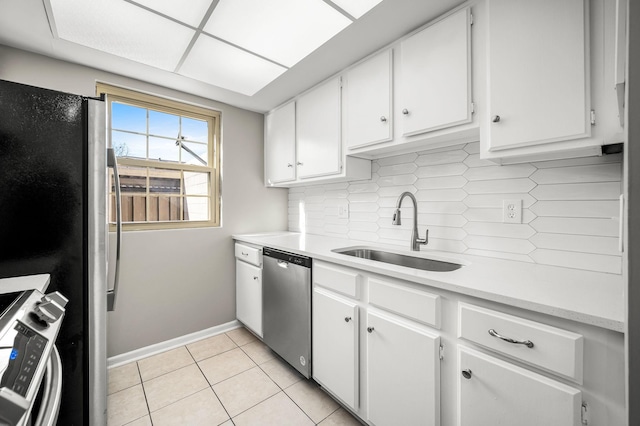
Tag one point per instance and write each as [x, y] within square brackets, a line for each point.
[229, 379]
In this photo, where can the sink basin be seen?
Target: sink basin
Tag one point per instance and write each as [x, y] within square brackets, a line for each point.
[400, 259]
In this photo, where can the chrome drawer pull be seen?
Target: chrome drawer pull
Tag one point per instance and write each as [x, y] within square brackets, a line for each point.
[527, 343]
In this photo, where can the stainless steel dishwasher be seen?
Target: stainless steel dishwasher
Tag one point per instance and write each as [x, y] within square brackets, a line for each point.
[286, 307]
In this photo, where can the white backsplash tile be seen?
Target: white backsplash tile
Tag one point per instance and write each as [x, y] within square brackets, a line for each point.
[397, 169]
[570, 207]
[601, 208]
[586, 261]
[455, 169]
[499, 186]
[446, 157]
[507, 230]
[578, 191]
[441, 182]
[499, 172]
[397, 180]
[577, 243]
[594, 173]
[577, 226]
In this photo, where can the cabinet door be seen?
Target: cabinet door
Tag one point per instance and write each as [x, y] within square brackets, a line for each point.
[368, 102]
[335, 345]
[494, 392]
[436, 71]
[280, 147]
[403, 373]
[249, 296]
[538, 80]
[319, 133]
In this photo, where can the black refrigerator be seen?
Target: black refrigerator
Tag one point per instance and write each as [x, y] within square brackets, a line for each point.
[53, 175]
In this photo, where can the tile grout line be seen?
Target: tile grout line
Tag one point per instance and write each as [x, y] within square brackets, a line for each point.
[209, 383]
[144, 393]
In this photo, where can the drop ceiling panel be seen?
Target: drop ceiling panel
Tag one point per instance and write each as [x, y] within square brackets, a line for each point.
[122, 29]
[356, 8]
[222, 65]
[284, 31]
[191, 15]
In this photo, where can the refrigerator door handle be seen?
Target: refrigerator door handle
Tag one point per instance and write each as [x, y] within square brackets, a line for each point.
[111, 293]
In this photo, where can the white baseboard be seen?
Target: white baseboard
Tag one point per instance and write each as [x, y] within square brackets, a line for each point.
[147, 351]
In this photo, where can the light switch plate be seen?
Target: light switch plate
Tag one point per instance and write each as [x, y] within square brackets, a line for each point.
[512, 211]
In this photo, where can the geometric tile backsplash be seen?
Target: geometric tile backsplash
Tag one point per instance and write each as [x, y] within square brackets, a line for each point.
[570, 208]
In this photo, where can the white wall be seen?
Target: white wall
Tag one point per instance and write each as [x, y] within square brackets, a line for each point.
[570, 207]
[179, 281]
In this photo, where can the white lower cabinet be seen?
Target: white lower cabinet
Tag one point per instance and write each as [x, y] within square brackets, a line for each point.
[335, 345]
[493, 392]
[403, 373]
[400, 353]
[249, 296]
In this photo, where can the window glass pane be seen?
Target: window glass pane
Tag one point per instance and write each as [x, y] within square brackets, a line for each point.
[163, 124]
[164, 208]
[128, 117]
[164, 181]
[196, 183]
[196, 208]
[163, 149]
[195, 130]
[194, 153]
[129, 145]
[133, 188]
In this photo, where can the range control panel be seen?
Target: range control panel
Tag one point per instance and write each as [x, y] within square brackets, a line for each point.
[29, 325]
[25, 353]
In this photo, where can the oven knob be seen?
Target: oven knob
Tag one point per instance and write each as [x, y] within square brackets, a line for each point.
[51, 307]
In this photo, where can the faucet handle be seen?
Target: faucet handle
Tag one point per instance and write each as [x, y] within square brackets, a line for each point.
[424, 240]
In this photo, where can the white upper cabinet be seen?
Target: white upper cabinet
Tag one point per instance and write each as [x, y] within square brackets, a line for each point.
[436, 76]
[367, 112]
[318, 123]
[280, 147]
[538, 73]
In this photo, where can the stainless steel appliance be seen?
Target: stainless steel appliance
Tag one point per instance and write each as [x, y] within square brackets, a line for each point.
[53, 220]
[30, 367]
[286, 307]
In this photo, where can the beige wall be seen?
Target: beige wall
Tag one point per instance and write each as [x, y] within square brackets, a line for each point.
[179, 281]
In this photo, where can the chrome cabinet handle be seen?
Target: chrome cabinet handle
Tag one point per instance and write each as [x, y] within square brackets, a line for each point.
[466, 374]
[405, 111]
[244, 254]
[527, 343]
[299, 164]
[370, 329]
[347, 319]
[383, 119]
[495, 118]
[255, 278]
[289, 165]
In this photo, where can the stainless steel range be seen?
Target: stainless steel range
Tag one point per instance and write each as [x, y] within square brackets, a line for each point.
[30, 368]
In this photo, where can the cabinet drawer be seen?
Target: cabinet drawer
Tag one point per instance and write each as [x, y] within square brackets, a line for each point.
[340, 280]
[418, 305]
[249, 254]
[553, 349]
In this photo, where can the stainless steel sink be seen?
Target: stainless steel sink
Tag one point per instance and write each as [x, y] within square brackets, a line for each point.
[400, 259]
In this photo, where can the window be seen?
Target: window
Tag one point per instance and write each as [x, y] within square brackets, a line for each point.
[168, 161]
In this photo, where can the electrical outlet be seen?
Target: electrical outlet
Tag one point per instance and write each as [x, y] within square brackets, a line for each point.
[512, 211]
[343, 211]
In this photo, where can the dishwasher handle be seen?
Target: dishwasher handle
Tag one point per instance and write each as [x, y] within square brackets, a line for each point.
[283, 264]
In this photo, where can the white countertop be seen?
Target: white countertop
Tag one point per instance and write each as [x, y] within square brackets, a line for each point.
[587, 297]
[28, 282]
